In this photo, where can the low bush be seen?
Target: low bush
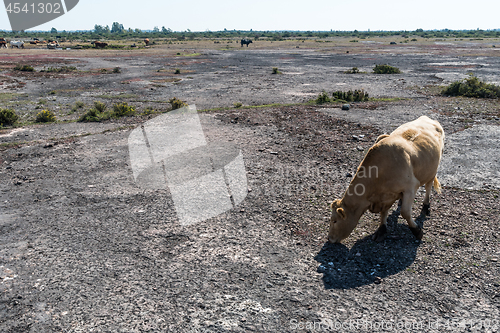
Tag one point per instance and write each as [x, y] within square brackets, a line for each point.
[123, 110]
[117, 70]
[176, 103]
[276, 70]
[177, 71]
[24, 68]
[322, 98]
[354, 70]
[45, 116]
[238, 105]
[386, 69]
[7, 117]
[350, 96]
[90, 116]
[472, 87]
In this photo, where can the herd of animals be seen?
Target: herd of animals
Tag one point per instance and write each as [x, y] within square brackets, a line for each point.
[53, 44]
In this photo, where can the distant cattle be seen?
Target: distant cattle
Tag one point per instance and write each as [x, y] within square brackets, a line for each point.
[146, 41]
[393, 169]
[100, 45]
[34, 42]
[17, 43]
[52, 45]
[245, 41]
[3, 43]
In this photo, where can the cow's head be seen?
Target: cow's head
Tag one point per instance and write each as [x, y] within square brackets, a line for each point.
[342, 222]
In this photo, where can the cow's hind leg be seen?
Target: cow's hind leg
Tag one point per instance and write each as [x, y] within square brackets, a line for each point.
[427, 203]
[381, 232]
[408, 198]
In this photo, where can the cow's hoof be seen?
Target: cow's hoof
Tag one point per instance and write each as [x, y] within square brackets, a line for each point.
[426, 209]
[417, 232]
[380, 234]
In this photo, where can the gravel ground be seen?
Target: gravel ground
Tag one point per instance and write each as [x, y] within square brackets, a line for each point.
[83, 248]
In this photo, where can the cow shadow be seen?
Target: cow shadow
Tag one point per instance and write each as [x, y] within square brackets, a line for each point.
[367, 261]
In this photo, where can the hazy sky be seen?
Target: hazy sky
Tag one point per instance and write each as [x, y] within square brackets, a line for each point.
[216, 15]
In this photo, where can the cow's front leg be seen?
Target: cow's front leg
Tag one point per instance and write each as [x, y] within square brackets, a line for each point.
[381, 232]
[408, 198]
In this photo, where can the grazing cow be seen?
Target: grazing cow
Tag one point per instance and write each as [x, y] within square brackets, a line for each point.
[394, 168]
[100, 44]
[245, 41]
[17, 43]
[34, 42]
[3, 43]
[146, 41]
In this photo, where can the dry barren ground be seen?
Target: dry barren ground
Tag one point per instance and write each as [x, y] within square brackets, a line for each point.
[84, 248]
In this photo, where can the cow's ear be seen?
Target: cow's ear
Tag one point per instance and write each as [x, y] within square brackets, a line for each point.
[341, 213]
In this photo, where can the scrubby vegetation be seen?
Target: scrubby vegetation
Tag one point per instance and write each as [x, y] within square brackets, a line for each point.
[386, 69]
[45, 116]
[276, 70]
[353, 70]
[472, 87]
[176, 103]
[322, 98]
[238, 105]
[342, 96]
[24, 68]
[350, 96]
[8, 117]
[123, 110]
[99, 112]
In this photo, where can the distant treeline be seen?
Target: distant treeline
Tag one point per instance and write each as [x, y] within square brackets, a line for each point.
[117, 31]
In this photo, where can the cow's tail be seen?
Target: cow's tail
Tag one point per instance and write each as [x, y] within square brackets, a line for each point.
[436, 185]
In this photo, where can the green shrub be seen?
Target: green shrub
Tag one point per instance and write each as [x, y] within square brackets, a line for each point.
[7, 117]
[24, 68]
[176, 103]
[78, 105]
[177, 71]
[100, 106]
[354, 70]
[45, 116]
[386, 69]
[276, 71]
[117, 70]
[123, 110]
[322, 98]
[350, 96]
[90, 116]
[149, 110]
[238, 105]
[472, 87]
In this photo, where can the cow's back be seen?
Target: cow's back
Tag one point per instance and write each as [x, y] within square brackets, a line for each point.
[412, 151]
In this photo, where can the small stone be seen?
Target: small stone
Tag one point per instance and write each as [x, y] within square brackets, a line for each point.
[474, 213]
[359, 148]
[348, 174]
[378, 280]
[346, 106]
[243, 319]
[358, 254]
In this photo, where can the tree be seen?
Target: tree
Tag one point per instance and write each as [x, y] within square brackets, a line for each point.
[53, 31]
[166, 31]
[99, 29]
[117, 28]
[155, 29]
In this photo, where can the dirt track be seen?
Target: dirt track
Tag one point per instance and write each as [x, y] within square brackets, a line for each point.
[84, 248]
